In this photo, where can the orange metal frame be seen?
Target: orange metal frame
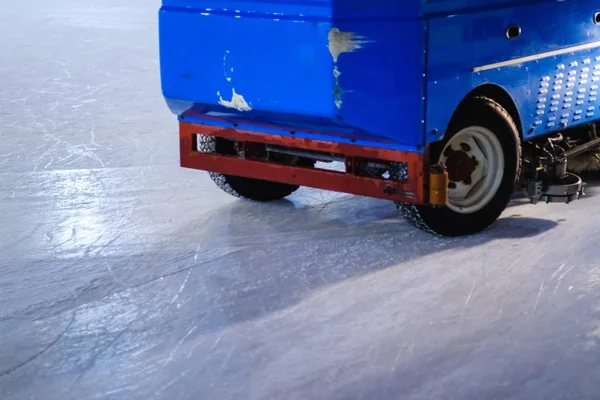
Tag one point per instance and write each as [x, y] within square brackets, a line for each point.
[411, 191]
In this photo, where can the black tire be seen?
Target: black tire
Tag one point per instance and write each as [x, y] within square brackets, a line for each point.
[486, 113]
[237, 186]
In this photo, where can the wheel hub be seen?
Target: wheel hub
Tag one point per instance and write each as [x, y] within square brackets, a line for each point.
[460, 165]
[475, 162]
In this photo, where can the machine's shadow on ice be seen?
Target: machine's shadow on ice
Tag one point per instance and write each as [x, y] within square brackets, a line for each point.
[290, 248]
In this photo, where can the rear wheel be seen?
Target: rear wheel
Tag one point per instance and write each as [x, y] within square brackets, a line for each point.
[251, 189]
[482, 153]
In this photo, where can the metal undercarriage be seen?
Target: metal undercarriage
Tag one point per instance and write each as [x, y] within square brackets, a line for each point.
[547, 175]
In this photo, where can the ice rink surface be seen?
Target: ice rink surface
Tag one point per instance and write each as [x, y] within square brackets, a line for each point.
[123, 276]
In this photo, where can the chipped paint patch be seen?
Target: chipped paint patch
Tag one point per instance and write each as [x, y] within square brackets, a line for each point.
[337, 89]
[344, 42]
[339, 43]
[225, 69]
[237, 101]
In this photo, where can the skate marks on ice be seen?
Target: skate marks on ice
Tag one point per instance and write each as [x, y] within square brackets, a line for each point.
[152, 281]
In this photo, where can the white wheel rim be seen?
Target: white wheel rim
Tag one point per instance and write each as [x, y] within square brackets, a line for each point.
[475, 161]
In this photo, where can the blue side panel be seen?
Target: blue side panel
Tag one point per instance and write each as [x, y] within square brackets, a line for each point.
[453, 7]
[557, 89]
[205, 57]
[383, 85]
[308, 9]
[306, 64]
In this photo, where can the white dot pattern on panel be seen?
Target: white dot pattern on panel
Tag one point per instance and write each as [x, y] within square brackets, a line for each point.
[569, 94]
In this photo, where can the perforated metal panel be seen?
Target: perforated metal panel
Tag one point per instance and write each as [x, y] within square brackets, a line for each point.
[569, 95]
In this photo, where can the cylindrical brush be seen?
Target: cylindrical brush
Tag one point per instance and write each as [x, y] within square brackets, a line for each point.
[585, 162]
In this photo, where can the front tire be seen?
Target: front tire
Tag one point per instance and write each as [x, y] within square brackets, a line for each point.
[482, 152]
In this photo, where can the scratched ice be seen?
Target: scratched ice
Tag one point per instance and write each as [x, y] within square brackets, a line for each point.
[123, 276]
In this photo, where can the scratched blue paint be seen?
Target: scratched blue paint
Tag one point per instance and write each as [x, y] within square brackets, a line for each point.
[275, 54]
[400, 88]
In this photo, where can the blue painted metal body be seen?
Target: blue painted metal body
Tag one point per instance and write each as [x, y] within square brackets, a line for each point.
[407, 67]
[547, 92]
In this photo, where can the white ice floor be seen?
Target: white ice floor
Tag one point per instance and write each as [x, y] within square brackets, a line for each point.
[123, 276]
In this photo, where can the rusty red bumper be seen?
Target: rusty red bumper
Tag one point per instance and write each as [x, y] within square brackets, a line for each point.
[414, 189]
